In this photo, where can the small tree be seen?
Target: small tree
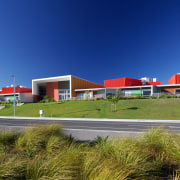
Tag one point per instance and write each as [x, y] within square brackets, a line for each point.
[118, 93]
[47, 99]
[87, 95]
[115, 101]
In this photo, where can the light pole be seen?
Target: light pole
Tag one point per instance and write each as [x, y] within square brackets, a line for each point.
[14, 96]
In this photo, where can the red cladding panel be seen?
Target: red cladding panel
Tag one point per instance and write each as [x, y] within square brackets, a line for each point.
[10, 90]
[133, 82]
[52, 90]
[172, 80]
[154, 83]
[175, 79]
[122, 82]
[178, 79]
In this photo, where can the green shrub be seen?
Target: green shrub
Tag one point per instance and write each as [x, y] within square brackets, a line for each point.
[172, 96]
[152, 97]
[162, 96]
[108, 97]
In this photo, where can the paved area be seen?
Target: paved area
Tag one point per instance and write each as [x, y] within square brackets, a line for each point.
[88, 129]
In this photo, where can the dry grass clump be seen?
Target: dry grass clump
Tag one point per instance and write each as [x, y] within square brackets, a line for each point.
[12, 167]
[115, 159]
[35, 139]
[44, 153]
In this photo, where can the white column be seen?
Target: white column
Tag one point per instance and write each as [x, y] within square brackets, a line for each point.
[151, 90]
[70, 83]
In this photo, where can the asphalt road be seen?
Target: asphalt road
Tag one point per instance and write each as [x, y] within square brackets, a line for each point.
[89, 129]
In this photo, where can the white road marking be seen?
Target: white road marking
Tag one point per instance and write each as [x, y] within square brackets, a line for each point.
[110, 131]
[91, 119]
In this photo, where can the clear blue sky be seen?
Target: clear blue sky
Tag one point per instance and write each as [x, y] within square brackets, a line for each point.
[92, 39]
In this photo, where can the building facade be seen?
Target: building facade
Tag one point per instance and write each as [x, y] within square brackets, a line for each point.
[60, 88]
[21, 93]
[70, 87]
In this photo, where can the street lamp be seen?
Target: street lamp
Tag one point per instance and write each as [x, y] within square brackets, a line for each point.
[14, 96]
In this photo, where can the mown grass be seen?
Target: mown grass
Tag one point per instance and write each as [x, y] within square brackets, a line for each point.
[44, 152]
[126, 109]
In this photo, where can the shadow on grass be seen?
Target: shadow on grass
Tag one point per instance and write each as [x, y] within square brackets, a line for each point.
[131, 108]
[81, 113]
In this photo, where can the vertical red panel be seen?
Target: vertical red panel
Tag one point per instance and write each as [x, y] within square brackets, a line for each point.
[178, 79]
[175, 79]
[52, 90]
[172, 80]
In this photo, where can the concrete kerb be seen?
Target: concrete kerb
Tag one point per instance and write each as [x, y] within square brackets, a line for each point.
[91, 119]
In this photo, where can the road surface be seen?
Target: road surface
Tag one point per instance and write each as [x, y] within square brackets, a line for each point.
[89, 129]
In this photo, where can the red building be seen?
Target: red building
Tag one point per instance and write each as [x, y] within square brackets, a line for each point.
[21, 93]
[175, 79]
[125, 82]
[122, 82]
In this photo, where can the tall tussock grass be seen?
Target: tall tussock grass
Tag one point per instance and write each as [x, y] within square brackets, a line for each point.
[45, 153]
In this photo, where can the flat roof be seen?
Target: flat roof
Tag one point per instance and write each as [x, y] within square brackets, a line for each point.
[10, 94]
[167, 85]
[52, 79]
[91, 89]
[127, 87]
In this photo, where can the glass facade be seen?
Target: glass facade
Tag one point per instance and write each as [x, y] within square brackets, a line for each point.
[64, 94]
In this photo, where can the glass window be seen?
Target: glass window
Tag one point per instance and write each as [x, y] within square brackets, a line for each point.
[178, 91]
[64, 94]
[61, 91]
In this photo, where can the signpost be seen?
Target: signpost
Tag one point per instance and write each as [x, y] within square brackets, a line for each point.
[14, 96]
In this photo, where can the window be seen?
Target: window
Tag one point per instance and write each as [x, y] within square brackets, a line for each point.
[177, 91]
[64, 94]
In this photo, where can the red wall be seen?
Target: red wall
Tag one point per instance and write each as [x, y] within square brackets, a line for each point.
[10, 90]
[178, 79]
[122, 82]
[52, 90]
[154, 83]
[175, 79]
[133, 82]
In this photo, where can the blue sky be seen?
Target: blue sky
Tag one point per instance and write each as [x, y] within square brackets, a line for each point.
[92, 39]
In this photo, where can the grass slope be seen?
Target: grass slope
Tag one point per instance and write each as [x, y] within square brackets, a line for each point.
[126, 109]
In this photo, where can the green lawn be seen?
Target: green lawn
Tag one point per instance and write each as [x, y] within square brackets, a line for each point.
[126, 109]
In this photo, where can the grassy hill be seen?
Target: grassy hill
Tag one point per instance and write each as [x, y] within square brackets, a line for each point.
[126, 109]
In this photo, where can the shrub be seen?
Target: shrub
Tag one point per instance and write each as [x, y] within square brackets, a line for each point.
[35, 139]
[162, 96]
[172, 96]
[98, 98]
[152, 97]
[108, 97]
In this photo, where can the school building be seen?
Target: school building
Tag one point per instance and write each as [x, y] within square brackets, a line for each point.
[69, 87]
[21, 93]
